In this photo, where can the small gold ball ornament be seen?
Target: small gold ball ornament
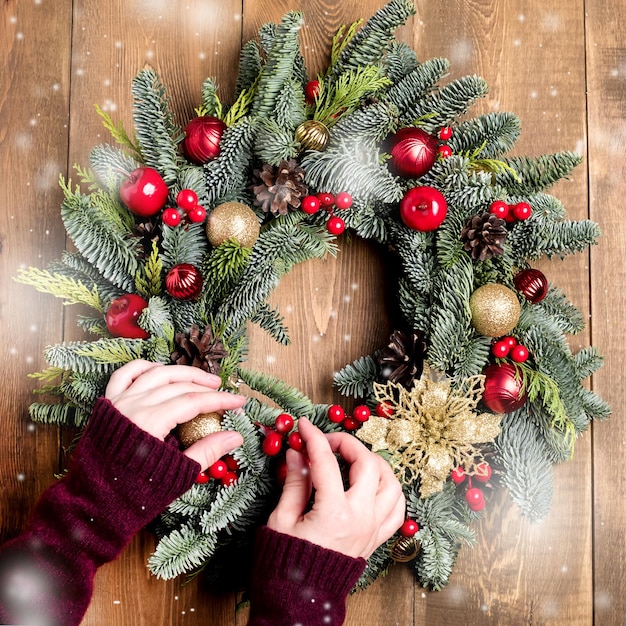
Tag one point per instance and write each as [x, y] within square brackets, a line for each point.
[495, 310]
[405, 549]
[232, 220]
[200, 426]
[313, 135]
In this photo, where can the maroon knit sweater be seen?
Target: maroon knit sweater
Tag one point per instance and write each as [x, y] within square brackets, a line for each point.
[120, 479]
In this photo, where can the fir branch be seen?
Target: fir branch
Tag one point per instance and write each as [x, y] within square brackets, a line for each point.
[64, 414]
[118, 132]
[250, 454]
[357, 379]
[275, 143]
[272, 323]
[249, 67]
[588, 361]
[183, 245]
[492, 134]
[222, 270]
[157, 320]
[148, 281]
[110, 351]
[72, 291]
[241, 106]
[111, 165]
[93, 325]
[399, 61]
[341, 39]
[211, 103]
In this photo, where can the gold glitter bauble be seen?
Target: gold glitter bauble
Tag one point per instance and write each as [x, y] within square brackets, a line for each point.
[313, 135]
[232, 220]
[200, 426]
[495, 310]
[405, 549]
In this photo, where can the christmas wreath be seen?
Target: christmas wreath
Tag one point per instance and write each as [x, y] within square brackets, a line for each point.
[181, 235]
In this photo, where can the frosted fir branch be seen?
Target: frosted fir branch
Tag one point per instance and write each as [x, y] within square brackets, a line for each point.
[110, 166]
[148, 281]
[250, 454]
[92, 325]
[183, 245]
[274, 143]
[587, 362]
[156, 319]
[357, 379]
[399, 61]
[493, 133]
[368, 124]
[211, 103]
[250, 65]
[271, 322]
[58, 414]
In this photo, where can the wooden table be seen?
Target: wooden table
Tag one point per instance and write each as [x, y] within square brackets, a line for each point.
[559, 64]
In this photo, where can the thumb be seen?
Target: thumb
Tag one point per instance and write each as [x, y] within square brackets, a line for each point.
[297, 487]
[213, 447]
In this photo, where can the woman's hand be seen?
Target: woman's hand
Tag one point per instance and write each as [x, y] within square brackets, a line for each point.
[157, 398]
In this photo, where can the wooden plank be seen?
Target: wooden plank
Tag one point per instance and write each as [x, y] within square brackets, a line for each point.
[606, 57]
[33, 150]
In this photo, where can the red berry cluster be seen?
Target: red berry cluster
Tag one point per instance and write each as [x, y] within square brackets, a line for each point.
[509, 347]
[226, 470]
[327, 201]
[511, 212]
[473, 496]
[360, 414]
[409, 528]
[444, 150]
[274, 437]
[188, 208]
[311, 91]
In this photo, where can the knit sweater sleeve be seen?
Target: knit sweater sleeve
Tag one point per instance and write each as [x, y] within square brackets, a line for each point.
[119, 480]
[297, 582]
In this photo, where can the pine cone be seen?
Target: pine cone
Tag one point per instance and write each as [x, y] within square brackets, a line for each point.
[146, 232]
[203, 352]
[483, 236]
[402, 360]
[280, 189]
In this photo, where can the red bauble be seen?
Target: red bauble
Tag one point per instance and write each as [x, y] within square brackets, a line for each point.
[273, 443]
[475, 499]
[336, 414]
[310, 204]
[361, 413]
[532, 284]
[171, 217]
[283, 423]
[187, 199]
[423, 208]
[122, 315]
[144, 192]
[483, 472]
[457, 475]
[295, 441]
[335, 225]
[409, 528]
[184, 282]
[218, 470]
[504, 391]
[413, 152]
[202, 138]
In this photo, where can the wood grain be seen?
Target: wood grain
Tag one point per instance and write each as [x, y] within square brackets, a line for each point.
[558, 64]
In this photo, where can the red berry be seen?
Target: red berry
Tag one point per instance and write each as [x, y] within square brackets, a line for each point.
[273, 443]
[409, 528]
[510, 218]
[445, 133]
[231, 462]
[423, 208]
[310, 204]
[343, 200]
[311, 89]
[475, 499]
[202, 478]
[500, 349]
[350, 423]
[457, 475]
[361, 413]
[444, 151]
[228, 479]
[326, 199]
[336, 414]
[522, 210]
[483, 472]
[295, 441]
[171, 217]
[197, 214]
[519, 353]
[186, 199]
[499, 208]
[510, 341]
[335, 225]
[283, 423]
[218, 470]
[384, 409]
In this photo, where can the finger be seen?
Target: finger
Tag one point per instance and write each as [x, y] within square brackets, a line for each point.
[392, 521]
[213, 447]
[156, 378]
[296, 491]
[182, 408]
[124, 377]
[325, 472]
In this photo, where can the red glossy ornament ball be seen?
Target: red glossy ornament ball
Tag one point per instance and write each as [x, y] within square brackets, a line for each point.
[500, 349]
[499, 208]
[171, 217]
[202, 478]
[423, 208]
[283, 423]
[295, 441]
[202, 139]
[504, 390]
[123, 314]
[144, 192]
[519, 353]
[273, 443]
[361, 413]
[310, 204]
[413, 152]
[444, 151]
[483, 472]
[311, 89]
[445, 133]
[457, 475]
[197, 215]
[475, 499]
[532, 284]
[350, 423]
[228, 479]
[218, 470]
[187, 199]
[335, 225]
[343, 200]
[384, 409]
[326, 199]
[409, 528]
[336, 414]
[522, 210]
[184, 282]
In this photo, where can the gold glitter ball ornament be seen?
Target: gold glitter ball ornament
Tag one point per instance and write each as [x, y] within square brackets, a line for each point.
[233, 220]
[313, 135]
[405, 549]
[200, 426]
[495, 310]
